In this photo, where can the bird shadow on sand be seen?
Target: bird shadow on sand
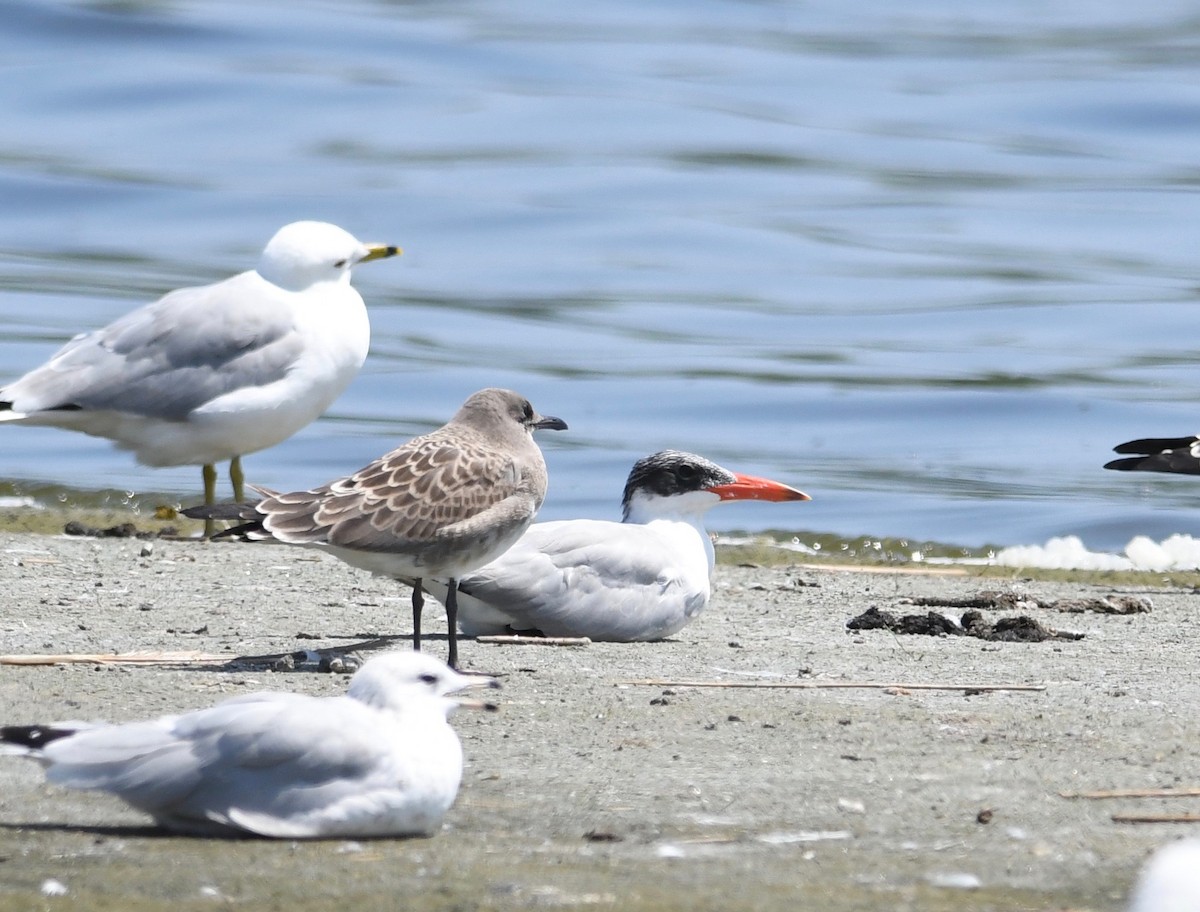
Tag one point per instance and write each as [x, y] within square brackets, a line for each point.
[150, 831]
[343, 659]
[339, 658]
[109, 830]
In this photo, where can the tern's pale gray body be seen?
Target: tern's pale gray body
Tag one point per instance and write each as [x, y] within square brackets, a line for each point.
[435, 508]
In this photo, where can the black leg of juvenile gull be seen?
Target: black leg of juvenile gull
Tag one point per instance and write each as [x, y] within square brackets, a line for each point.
[452, 622]
[418, 602]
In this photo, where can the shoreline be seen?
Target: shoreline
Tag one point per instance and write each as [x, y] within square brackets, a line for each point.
[587, 790]
[770, 547]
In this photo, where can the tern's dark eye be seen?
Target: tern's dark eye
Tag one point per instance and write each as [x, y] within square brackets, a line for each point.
[686, 472]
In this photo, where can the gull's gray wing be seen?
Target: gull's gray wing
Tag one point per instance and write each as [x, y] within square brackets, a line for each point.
[274, 757]
[168, 358]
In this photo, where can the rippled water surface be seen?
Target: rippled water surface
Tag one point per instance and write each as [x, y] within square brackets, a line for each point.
[927, 261]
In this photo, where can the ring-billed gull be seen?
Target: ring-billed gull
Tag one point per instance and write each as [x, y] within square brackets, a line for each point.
[437, 507]
[643, 578]
[215, 372]
[379, 761]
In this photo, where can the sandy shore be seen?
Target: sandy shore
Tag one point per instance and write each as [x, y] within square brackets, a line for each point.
[588, 791]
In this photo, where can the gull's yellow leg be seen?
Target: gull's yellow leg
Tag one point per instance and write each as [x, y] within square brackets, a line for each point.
[209, 471]
[238, 477]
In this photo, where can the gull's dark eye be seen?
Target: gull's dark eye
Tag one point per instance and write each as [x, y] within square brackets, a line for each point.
[428, 678]
[338, 264]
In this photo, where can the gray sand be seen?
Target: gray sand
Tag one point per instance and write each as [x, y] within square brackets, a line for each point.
[587, 792]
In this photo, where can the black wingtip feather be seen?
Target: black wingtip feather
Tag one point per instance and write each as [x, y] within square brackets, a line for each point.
[1124, 465]
[1173, 455]
[1181, 463]
[34, 737]
[1150, 446]
[251, 531]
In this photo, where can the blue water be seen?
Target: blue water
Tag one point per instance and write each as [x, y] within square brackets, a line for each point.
[928, 261]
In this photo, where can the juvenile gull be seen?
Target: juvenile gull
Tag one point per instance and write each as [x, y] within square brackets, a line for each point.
[379, 761]
[215, 372]
[1179, 455]
[433, 509]
[643, 578]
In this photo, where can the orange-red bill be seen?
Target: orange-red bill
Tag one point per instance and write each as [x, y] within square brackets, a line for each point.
[748, 487]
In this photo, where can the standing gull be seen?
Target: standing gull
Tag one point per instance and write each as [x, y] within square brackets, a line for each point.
[211, 373]
[643, 578]
[435, 508]
[379, 761]
[1179, 455]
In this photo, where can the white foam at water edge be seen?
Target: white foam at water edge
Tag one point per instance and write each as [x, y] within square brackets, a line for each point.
[1068, 552]
[1179, 552]
[20, 503]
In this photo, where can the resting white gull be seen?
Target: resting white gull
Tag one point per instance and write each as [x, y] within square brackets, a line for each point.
[380, 761]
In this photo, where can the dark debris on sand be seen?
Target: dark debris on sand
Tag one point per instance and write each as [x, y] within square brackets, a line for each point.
[1013, 600]
[121, 530]
[1018, 629]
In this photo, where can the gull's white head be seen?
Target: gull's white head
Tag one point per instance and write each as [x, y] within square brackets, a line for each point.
[304, 253]
[400, 680]
[1170, 880]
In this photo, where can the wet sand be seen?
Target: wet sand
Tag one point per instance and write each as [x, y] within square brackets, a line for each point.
[587, 791]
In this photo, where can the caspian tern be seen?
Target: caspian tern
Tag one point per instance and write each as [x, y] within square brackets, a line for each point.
[215, 372]
[437, 507]
[643, 578]
[379, 761]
